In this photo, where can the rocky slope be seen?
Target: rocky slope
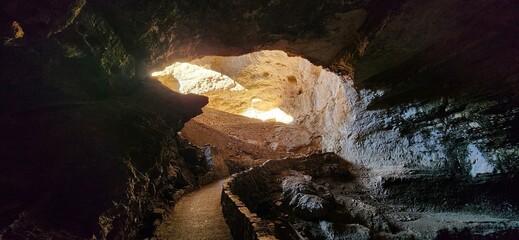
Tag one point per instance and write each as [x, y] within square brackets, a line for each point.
[321, 196]
[238, 143]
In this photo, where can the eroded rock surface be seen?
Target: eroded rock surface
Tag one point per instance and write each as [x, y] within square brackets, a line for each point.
[305, 198]
[441, 134]
[323, 197]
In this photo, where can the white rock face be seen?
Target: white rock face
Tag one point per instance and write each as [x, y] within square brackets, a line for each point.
[198, 80]
[329, 107]
[336, 115]
[479, 164]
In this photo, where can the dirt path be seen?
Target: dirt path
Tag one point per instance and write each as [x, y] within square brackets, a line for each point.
[198, 215]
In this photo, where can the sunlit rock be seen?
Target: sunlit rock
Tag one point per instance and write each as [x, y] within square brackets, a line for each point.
[274, 114]
[198, 80]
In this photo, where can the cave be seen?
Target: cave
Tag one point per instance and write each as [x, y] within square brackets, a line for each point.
[275, 119]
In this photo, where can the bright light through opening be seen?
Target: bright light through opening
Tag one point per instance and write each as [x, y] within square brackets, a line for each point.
[198, 80]
[190, 78]
[274, 114]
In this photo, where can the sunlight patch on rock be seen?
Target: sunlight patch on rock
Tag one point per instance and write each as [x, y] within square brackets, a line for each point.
[198, 80]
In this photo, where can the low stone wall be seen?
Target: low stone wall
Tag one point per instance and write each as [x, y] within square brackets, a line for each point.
[245, 193]
[242, 222]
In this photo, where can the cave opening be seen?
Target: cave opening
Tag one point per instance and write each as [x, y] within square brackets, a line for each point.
[289, 95]
[263, 85]
[223, 91]
[269, 105]
[262, 106]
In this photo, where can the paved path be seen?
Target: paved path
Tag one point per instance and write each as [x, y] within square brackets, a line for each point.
[197, 216]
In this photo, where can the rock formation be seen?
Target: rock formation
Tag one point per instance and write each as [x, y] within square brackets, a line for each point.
[424, 93]
[88, 144]
[322, 196]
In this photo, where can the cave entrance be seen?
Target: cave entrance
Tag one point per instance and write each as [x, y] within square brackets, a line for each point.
[314, 110]
[260, 100]
[261, 85]
[262, 105]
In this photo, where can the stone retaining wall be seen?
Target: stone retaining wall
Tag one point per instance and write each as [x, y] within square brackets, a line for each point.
[242, 222]
[246, 192]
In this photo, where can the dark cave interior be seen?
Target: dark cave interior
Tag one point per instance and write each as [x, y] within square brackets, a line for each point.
[356, 119]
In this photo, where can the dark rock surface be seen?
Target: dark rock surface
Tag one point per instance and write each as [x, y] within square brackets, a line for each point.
[93, 168]
[88, 144]
[242, 222]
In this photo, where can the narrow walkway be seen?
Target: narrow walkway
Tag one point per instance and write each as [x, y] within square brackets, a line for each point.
[198, 215]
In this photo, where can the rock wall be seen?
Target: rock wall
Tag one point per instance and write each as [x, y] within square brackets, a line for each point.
[446, 134]
[436, 87]
[88, 143]
[323, 196]
[243, 223]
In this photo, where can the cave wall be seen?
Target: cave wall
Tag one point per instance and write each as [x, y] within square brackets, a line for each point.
[440, 81]
[88, 142]
[426, 85]
[319, 101]
[434, 84]
[435, 87]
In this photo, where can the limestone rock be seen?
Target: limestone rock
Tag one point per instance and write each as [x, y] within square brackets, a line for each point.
[198, 80]
[308, 206]
[342, 232]
[304, 198]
